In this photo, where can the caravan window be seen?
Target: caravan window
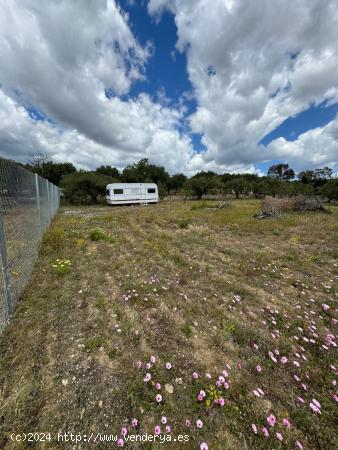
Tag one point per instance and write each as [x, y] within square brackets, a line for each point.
[118, 191]
[151, 191]
[107, 192]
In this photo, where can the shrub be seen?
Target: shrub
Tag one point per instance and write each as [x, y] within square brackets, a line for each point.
[97, 234]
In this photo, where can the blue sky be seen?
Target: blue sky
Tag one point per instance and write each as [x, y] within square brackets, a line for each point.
[188, 86]
[167, 69]
[314, 117]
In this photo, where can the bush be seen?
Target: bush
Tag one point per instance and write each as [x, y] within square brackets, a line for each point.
[97, 234]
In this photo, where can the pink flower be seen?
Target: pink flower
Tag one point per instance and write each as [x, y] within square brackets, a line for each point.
[265, 432]
[168, 365]
[283, 360]
[204, 446]
[124, 431]
[195, 375]
[221, 379]
[202, 393]
[158, 386]
[325, 307]
[199, 423]
[188, 423]
[254, 428]
[299, 445]
[200, 398]
[286, 423]
[315, 406]
[221, 401]
[138, 364]
[120, 442]
[239, 365]
[301, 399]
[258, 368]
[152, 359]
[134, 423]
[256, 393]
[272, 357]
[226, 385]
[147, 378]
[316, 402]
[208, 376]
[279, 436]
[158, 398]
[164, 420]
[157, 429]
[225, 373]
[168, 429]
[271, 420]
[148, 365]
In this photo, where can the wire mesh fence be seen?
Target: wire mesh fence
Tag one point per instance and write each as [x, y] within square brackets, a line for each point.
[27, 206]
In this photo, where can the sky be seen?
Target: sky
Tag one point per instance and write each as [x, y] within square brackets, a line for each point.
[228, 85]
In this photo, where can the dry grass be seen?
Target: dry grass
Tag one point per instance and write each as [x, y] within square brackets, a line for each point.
[205, 289]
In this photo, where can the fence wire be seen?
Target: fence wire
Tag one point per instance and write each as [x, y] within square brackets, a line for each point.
[27, 206]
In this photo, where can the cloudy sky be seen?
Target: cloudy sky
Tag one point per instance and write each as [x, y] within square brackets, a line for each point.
[226, 85]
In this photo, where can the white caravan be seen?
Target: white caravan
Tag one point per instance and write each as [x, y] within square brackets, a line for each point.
[124, 193]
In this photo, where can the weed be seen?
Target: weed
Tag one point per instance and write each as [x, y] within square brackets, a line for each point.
[187, 330]
[94, 343]
[61, 266]
[97, 234]
[184, 224]
[227, 328]
[53, 240]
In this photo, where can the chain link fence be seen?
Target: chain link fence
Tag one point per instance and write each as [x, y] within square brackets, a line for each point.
[27, 206]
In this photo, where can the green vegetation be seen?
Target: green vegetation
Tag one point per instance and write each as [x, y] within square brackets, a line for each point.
[98, 234]
[89, 187]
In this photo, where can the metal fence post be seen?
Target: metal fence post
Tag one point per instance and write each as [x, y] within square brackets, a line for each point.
[38, 202]
[48, 202]
[52, 200]
[5, 275]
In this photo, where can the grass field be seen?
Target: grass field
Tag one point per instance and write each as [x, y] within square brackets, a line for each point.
[232, 318]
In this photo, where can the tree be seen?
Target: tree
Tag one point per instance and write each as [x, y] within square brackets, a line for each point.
[143, 172]
[330, 190]
[176, 182]
[84, 186]
[323, 174]
[37, 159]
[55, 171]
[281, 172]
[238, 185]
[306, 176]
[110, 171]
[260, 188]
[200, 185]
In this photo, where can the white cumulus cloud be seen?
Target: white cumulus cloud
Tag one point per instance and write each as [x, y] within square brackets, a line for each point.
[254, 64]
